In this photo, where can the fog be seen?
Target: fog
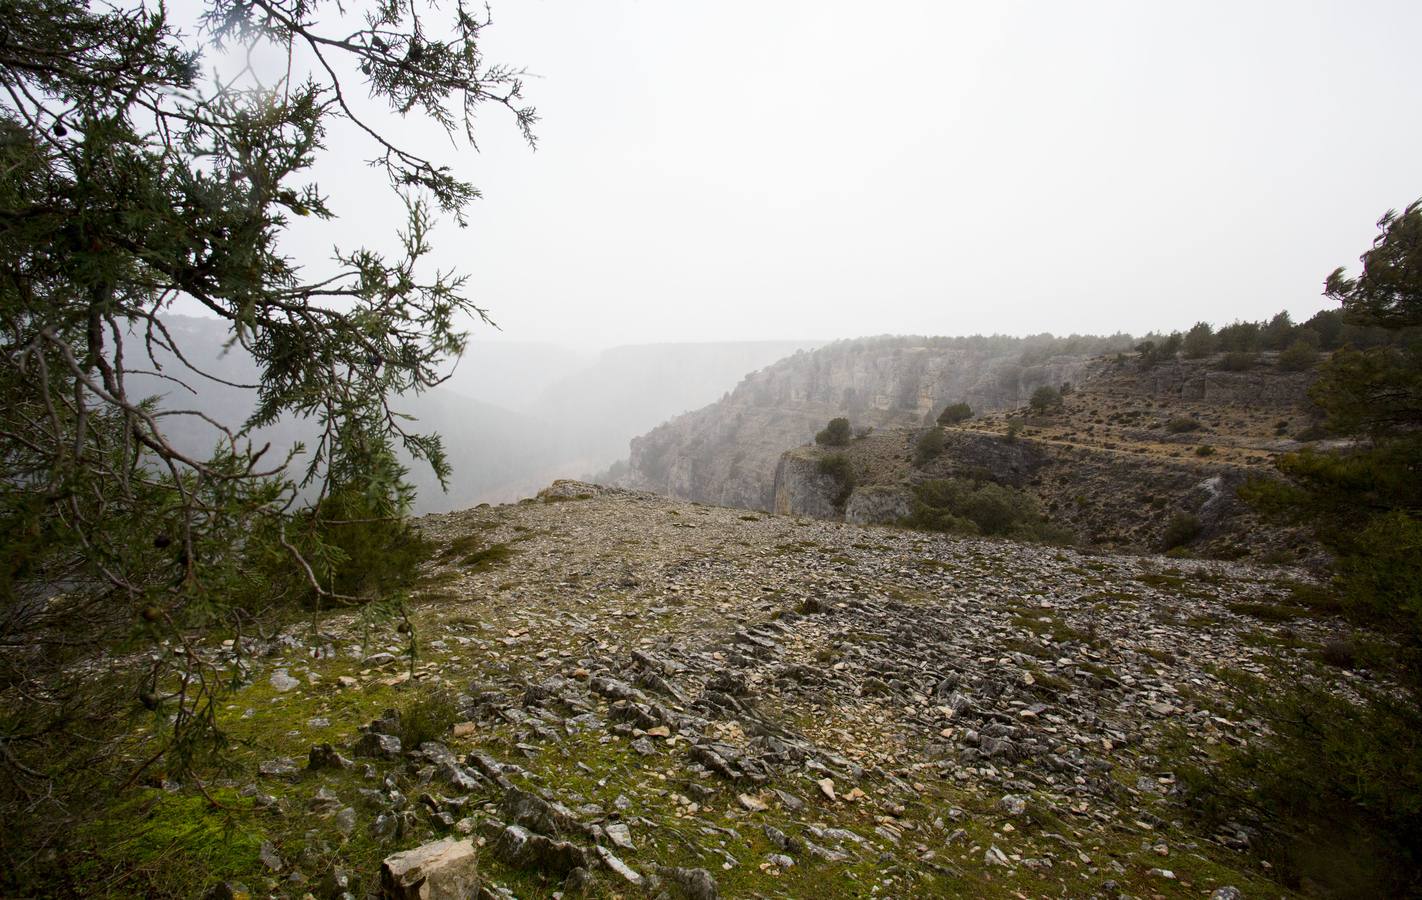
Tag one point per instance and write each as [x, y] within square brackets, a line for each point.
[512, 420]
[754, 178]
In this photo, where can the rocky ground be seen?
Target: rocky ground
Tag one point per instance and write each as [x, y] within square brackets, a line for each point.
[651, 697]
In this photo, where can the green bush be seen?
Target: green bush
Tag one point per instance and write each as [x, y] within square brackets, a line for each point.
[1239, 361]
[1299, 357]
[355, 551]
[1204, 450]
[835, 434]
[1199, 341]
[1181, 424]
[981, 507]
[929, 445]
[1014, 430]
[955, 413]
[428, 717]
[1340, 786]
[1179, 531]
[1381, 576]
[838, 467]
[1045, 398]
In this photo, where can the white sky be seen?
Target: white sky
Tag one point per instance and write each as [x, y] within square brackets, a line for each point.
[739, 170]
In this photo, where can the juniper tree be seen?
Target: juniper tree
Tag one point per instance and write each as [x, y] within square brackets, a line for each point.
[130, 177]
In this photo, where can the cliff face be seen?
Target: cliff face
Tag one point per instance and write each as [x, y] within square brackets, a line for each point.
[801, 488]
[727, 453]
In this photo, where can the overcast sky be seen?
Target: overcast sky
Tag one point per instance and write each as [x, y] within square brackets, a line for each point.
[738, 170]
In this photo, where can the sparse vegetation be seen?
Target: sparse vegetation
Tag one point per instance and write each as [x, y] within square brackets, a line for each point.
[486, 558]
[427, 717]
[1182, 424]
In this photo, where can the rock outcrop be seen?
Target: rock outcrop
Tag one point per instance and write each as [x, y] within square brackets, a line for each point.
[1128, 451]
[802, 489]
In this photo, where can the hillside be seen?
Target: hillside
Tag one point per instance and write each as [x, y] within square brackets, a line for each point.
[648, 688]
[726, 453]
[1115, 462]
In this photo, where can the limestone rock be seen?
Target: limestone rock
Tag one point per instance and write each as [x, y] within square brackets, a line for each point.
[693, 884]
[447, 869]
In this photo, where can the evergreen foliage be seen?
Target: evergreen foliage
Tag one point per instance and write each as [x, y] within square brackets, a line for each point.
[835, 434]
[929, 445]
[1341, 781]
[955, 414]
[1045, 399]
[838, 468]
[1199, 341]
[130, 178]
[1299, 357]
[970, 506]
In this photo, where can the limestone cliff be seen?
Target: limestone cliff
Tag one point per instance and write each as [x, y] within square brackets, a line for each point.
[727, 453]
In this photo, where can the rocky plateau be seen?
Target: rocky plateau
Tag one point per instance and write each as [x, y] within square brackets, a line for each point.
[649, 697]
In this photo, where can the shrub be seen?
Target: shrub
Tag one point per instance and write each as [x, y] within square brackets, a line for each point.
[1341, 785]
[1181, 424]
[1179, 531]
[1298, 358]
[1340, 652]
[954, 413]
[1381, 576]
[835, 434]
[1199, 341]
[365, 554]
[1239, 361]
[427, 718]
[982, 507]
[1014, 428]
[1239, 337]
[1204, 450]
[1313, 432]
[1045, 398]
[929, 446]
[1152, 352]
[838, 467]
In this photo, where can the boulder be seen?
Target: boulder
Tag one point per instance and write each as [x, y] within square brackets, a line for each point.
[693, 884]
[523, 849]
[444, 870]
